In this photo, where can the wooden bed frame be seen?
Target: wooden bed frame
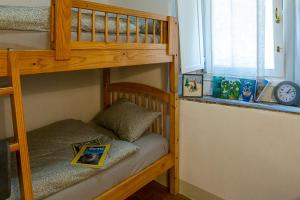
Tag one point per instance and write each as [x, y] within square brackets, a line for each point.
[68, 55]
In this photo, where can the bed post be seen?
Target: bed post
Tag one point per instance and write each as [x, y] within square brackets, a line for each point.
[174, 104]
[106, 82]
[20, 134]
[63, 18]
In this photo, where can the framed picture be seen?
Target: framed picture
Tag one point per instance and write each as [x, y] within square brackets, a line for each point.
[192, 85]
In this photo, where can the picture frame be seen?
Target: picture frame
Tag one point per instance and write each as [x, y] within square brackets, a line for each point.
[192, 85]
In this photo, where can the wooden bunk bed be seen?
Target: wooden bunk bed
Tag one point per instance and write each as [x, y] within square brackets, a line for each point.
[69, 55]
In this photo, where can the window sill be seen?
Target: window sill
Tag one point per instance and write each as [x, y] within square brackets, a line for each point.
[236, 103]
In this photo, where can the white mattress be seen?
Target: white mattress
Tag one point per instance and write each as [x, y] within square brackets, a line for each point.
[30, 40]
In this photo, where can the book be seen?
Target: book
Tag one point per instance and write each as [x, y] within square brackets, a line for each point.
[77, 146]
[225, 89]
[92, 156]
[247, 90]
[261, 86]
[216, 86]
[234, 89]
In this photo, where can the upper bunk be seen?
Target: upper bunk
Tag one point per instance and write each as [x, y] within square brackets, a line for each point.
[87, 35]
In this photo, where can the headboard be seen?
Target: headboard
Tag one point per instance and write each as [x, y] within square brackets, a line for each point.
[148, 97]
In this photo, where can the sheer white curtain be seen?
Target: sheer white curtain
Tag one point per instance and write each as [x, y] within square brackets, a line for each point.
[242, 39]
[234, 37]
[292, 38]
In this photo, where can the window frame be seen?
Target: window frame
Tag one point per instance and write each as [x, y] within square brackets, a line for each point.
[201, 56]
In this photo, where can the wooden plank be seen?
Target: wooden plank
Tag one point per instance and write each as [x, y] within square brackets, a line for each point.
[36, 62]
[6, 91]
[161, 32]
[172, 34]
[102, 45]
[128, 29]
[19, 129]
[137, 30]
[141, 89]
[146, 30]
[79, 25]
[174, 110]
[52, 24]
[117, 28]
[106, 82]
[165, 35]
[63, 17]
[136, 182]
[116, 10]
[154, 31]
[94, 26]
[106, 27]
[14, 147]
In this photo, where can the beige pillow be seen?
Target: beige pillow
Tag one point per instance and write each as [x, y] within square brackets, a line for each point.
[128, 120]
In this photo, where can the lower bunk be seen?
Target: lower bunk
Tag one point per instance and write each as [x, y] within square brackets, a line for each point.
[131, 163]
[55, 178]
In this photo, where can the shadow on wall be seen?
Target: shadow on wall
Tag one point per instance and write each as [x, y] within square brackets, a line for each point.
[52, 97]
[53, 82]
[154, 75]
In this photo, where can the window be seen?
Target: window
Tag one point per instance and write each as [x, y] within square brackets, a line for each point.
[191, 35]
[235, 37]
[244, 38]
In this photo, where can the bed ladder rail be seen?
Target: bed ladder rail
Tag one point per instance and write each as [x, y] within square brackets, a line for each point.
[19, 145]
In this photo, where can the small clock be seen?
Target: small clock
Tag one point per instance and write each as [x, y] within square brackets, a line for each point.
[287, 93]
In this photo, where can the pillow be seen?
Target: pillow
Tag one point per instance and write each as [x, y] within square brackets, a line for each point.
[128, 120]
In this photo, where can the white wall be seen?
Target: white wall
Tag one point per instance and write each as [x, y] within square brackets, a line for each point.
[239, 153]
[52, 97]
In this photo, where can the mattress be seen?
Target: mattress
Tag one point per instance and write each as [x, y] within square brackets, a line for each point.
[151, 148]
[30, 40]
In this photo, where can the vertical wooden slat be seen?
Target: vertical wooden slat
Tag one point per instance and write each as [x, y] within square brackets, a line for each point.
[106, 27]
[136, 99]
[164, 120]
[133, 98]
[146, 30]
[137, 30]
[128, 29]
[153, 109]
[158, 125]
[115, 95]
[52, 23]
[171, 36]
[144, 100]
[79, 25]
[154, 30]
[106, 82]
[150, 104]
[161, 32]
[93, 26]
[165, 33]
[63, 17]
[117, 28]
[174, 105]
[19, 128]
